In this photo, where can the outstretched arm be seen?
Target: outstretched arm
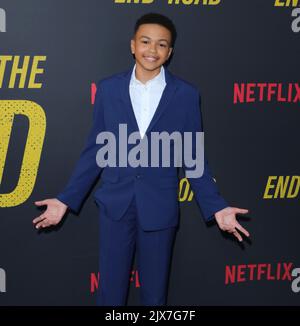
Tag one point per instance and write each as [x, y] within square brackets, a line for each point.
[207, 195]
[83, 177]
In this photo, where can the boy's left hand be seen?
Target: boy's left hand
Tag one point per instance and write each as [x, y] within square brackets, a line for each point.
[227, 221]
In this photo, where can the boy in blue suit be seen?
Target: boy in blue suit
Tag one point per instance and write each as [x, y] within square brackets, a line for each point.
[138, 204]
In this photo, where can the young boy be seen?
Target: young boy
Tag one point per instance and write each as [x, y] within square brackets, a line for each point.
[138, 204]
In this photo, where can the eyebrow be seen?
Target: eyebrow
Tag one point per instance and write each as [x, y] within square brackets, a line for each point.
[162, 39]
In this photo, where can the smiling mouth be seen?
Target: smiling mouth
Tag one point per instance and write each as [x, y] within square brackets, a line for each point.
[150, 59]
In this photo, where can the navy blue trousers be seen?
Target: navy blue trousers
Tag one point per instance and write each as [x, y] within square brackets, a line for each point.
[118, 242]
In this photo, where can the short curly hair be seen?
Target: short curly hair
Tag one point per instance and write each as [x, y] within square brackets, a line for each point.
[155, 18]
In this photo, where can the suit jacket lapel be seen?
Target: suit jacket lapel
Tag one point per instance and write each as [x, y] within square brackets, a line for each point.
[167, 94]
[125, 96]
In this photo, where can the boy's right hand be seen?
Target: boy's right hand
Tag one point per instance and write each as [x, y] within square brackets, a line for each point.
[52, 215]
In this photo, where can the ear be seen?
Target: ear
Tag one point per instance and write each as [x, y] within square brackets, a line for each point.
[170, 52]
[132, 46]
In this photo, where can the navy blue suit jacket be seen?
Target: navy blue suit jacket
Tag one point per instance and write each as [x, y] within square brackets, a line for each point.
[155, 188]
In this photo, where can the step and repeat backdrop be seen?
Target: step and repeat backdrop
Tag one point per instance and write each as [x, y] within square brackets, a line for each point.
[244, 58]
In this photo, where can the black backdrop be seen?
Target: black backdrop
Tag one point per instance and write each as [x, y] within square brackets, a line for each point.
[250, 146]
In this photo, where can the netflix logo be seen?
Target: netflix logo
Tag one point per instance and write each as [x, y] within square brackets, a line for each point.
[95, 279]
[258, 272]
[266, 92]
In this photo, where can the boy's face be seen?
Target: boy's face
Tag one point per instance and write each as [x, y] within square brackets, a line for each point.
[151, 46]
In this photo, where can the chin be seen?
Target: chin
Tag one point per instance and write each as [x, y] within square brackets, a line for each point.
[151, 66]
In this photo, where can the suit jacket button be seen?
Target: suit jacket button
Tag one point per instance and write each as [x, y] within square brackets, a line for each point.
[137, 176]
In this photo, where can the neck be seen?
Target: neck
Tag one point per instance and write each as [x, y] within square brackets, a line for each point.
[144, 75]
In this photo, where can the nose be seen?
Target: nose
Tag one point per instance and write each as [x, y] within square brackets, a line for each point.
[152, 47]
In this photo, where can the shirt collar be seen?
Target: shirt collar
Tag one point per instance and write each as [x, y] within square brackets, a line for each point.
[160, 78]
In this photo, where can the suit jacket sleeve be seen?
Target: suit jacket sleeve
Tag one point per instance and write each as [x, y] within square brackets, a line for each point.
[205, 189]
[86, 170]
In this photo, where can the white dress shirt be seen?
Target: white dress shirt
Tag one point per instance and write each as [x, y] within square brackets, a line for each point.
[145, 98]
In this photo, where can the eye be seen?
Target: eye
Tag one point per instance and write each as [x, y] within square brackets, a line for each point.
[144, 41]
[163, 45]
